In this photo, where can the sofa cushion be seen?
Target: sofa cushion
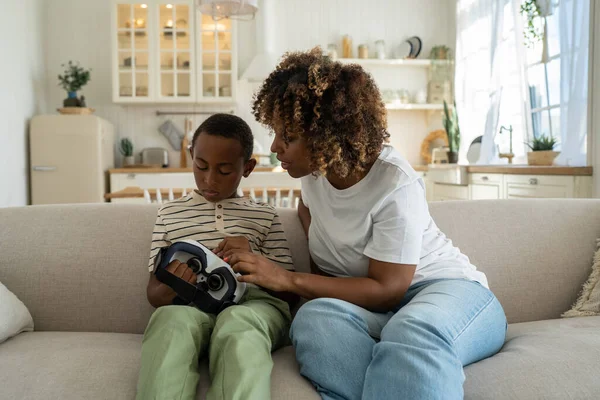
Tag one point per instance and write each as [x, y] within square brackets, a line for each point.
[14, 315]
[69, 365]
[588, 303]
[72, 365]
[554, 359]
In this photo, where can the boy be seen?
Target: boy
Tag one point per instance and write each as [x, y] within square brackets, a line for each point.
[239, 340]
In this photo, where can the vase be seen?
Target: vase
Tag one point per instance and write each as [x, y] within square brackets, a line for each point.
[71, 100]
[546, 7]
[542, 157]
[129, 160]
[452, 157]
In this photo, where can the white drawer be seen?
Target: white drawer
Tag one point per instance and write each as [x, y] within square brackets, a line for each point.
[538, 186]
[485, 178]
[485, 191]
[449, 192]
[539, 180]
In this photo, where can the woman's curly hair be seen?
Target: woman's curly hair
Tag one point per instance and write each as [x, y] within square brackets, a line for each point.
[336, 108]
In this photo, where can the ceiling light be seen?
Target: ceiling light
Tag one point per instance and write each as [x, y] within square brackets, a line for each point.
[234, 9]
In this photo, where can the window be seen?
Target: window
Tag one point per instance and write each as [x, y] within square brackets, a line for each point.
[543, 82]
[511, 112]
[527, 81]
[474, 89]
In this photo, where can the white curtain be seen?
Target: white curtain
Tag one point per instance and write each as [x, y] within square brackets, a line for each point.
[485, 61]
[574, 27]
[489, 151]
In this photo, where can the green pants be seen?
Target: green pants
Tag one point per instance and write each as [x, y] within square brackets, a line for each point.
[239, 342]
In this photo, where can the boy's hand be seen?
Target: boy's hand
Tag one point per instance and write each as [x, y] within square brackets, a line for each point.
[182, 271]
[230, 244]
[160, 294]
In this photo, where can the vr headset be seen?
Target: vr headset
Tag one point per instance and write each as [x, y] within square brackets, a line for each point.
[217, 286]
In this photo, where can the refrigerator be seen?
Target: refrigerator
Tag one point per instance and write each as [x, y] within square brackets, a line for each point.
[69, 158]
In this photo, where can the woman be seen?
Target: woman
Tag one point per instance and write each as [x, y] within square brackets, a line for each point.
[397, 310]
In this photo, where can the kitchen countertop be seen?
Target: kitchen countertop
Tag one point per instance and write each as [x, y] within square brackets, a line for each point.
[530, 170]
[515, 169]
[160, 170]
[484, 169]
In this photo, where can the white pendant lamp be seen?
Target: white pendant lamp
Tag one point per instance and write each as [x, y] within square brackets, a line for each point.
[234, 9]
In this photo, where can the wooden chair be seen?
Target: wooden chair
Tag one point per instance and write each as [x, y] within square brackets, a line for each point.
[271, 196]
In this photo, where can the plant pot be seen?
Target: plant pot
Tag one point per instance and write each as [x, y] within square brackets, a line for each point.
[129, 160]
[71, 100]
[545, 7]
[541, 157]
[452, 157]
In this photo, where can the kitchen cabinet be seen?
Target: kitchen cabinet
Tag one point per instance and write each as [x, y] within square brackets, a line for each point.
[496, 186]
[428, 184]
[495, 182]
[542, 186]
[445, 191]
[486, 186]
[168, 52]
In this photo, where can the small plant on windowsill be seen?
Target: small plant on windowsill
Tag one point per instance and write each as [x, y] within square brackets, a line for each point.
[542, 150]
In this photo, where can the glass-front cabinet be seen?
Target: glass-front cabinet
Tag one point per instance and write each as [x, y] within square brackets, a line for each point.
[132, 52]
[167, 52]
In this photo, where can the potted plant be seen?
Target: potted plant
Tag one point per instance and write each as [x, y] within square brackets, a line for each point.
[542, 151]
[126, 149]
[534, 12]
[450, 121]
[73, 79]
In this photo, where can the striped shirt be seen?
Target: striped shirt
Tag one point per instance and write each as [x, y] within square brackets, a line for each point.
[192, 217]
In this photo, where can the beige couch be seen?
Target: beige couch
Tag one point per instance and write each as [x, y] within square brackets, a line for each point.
[81, 271]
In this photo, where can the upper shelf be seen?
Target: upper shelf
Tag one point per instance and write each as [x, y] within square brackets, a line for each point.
[391, 62]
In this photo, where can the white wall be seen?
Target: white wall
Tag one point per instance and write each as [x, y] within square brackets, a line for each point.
[80, 30]
[303, 24]
[22, 95]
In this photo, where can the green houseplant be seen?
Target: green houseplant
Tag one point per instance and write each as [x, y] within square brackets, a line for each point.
[126, 150]
[73, 79]
[534, 12]
[450, 122]
[542, 150]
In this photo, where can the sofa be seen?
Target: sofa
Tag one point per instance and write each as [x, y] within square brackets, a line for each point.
[81, 271]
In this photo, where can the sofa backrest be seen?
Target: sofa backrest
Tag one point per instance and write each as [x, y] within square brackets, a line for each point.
[83, 267]
[536, 253]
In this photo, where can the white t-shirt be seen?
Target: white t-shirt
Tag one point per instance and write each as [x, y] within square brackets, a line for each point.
[384, 217]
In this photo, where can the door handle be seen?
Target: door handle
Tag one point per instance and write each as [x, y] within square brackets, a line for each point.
[44, 168]
[485, 178]
[533, 181]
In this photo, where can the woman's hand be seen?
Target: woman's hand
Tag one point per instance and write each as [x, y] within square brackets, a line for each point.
[259, 270]
[230, 244]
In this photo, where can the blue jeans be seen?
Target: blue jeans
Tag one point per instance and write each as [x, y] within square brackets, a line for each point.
[416, 352]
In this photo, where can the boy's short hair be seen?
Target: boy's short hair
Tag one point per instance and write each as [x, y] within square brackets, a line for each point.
[231, 127]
